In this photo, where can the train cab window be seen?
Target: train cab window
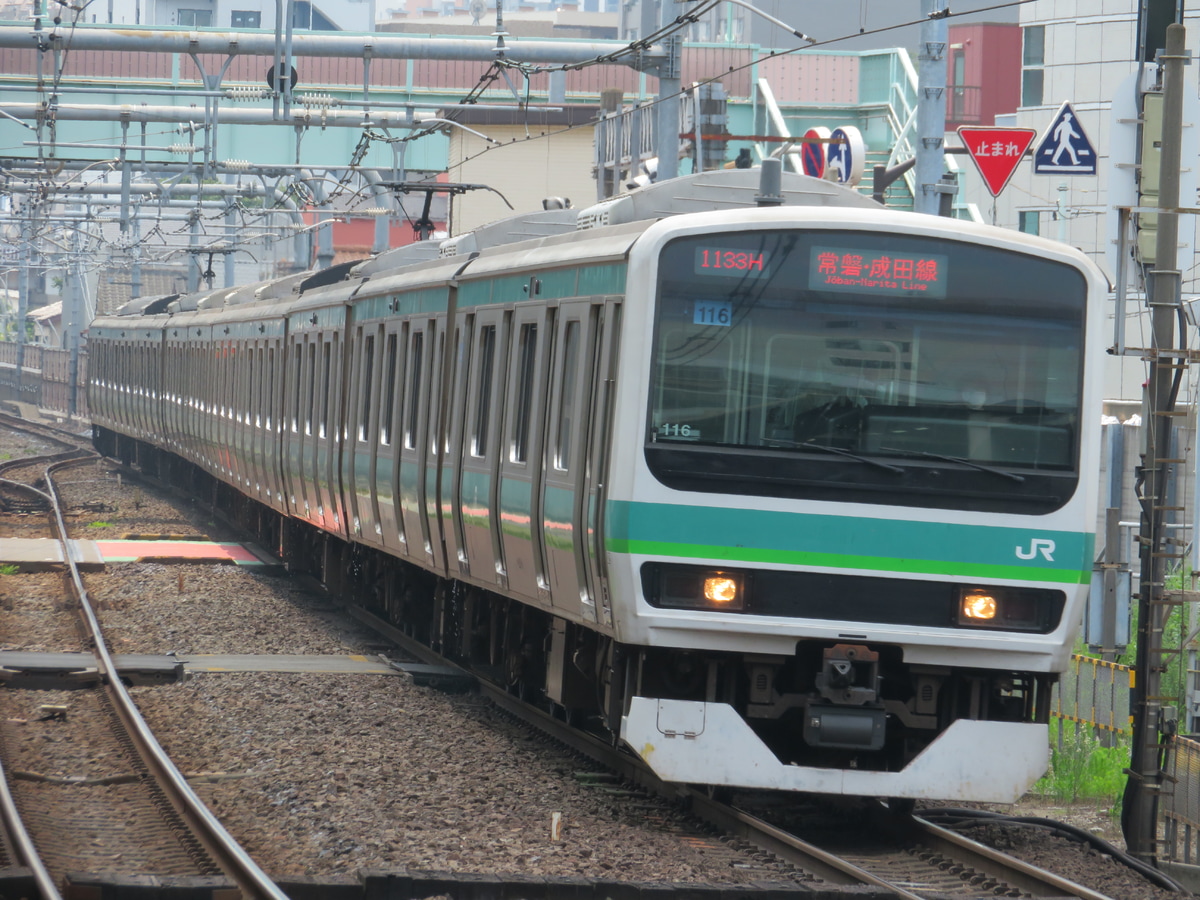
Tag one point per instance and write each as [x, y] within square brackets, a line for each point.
[483, 408]
[912, 370]
[365, 387]
[389, 390]
[414, 391]
[566, 397]
[526, 365]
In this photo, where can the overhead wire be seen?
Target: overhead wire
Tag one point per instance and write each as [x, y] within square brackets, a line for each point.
[489, 77]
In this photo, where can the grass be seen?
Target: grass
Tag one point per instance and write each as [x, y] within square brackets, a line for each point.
[9, 569]
[1083, 769]
[100, 525]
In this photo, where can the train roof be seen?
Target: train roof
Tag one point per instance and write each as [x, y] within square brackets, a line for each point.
[548, 233]
[146, 306]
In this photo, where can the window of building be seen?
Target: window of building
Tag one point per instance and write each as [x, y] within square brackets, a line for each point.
[245, 18]
[194, 18]
[307, 17]
[1030, 221]
[1033, 60]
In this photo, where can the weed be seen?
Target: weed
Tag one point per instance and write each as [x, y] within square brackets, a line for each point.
[99, 525]
[9, 569]
[1081, 768]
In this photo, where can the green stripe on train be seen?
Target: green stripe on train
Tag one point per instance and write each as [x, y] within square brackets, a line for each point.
[842, 542]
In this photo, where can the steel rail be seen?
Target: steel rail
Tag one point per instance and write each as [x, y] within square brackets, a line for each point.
[767, 837]
[772, 840]
[23, 846]
[1018, 873]
[225, 851]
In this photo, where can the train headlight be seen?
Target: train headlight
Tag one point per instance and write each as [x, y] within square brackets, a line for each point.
[1010, 608]
[688, 587]
[977, 606]
[721, 590]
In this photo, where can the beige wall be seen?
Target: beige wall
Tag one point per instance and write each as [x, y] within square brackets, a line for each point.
[524, 171]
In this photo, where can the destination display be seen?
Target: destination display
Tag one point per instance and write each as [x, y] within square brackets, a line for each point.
[729, 261]
[865, 272]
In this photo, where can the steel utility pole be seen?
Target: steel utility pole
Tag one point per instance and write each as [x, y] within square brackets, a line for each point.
[1152, 719]
[931, 107]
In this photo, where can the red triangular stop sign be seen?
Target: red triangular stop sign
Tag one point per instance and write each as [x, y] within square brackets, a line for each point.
[996, 152]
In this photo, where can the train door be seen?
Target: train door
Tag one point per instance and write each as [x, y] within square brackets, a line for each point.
[238, 413]
[274, 433]
[304, 502]
[210, 389]
[458, 371]
[358, 452]
[256, 422]
[478, 501]
[324, 432]
[385, 483]
[336, 431]
[414, 439]
[599, 421]
[219, 451]
[521, 452]
[564, 498]
[435, 444]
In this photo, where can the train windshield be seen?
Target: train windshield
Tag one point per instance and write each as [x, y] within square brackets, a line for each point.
[921, 370]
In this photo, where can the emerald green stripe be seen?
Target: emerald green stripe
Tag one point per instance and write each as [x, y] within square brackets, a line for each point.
[847, 561]
[847, 542]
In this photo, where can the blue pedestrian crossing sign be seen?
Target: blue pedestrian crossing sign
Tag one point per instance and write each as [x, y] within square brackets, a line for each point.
[1064, 148]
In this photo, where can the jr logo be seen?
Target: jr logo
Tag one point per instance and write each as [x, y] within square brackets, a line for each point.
[1044, 546]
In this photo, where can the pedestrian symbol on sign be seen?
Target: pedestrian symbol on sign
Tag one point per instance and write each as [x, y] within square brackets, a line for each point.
[1064, 148]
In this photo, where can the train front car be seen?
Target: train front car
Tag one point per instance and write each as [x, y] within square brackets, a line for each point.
[851, 512]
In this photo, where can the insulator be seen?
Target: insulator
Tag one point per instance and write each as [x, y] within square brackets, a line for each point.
[319, 101]
[375, 211]
[238, 165]
[182, 148]
[245, 92]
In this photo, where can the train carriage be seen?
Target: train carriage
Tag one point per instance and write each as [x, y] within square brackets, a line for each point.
[797, 497]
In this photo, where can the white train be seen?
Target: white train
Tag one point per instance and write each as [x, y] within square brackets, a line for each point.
[795, 497]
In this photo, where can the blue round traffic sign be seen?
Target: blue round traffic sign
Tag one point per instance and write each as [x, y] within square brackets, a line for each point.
[845, 156]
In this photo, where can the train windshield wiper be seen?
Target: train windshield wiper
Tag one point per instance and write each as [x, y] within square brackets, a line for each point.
[966, 462]
[825, 448]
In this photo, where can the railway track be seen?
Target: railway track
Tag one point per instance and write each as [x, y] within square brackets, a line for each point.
[89, 780]
[905, 857]
[919, 862]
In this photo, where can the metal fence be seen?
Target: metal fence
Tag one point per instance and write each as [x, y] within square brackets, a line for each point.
[1179, 806]
[1094, 693]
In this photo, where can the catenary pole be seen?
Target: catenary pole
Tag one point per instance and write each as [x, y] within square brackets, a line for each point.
[1151, 720]
[931, 106]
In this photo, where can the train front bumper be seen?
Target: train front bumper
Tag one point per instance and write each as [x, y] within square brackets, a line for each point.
[710, 744]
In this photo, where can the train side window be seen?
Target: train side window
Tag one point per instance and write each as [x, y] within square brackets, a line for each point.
[483, 412]
[365, 385]
[566, 397]
[526, 363]
[389, 391]
[435, 426]
[312, 388]
[264, 396]
[326, 371]
[270, 404]
[414, 391]
[297, 382]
